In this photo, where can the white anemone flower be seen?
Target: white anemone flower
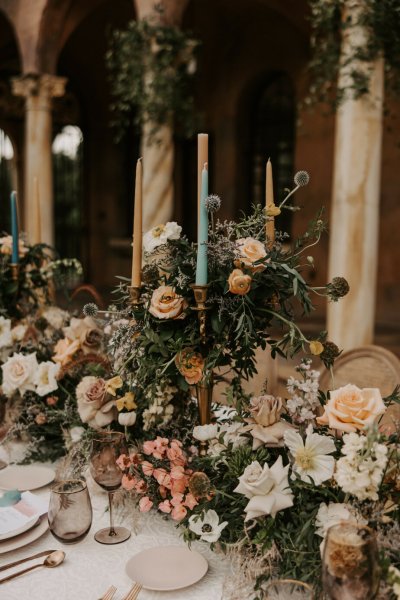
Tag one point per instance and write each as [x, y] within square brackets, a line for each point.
[160, 235]
[207, 526]
[310, 456]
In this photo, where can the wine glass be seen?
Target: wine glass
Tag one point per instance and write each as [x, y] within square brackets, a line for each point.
[70, 511]
[288, 589]
[350, 569]
[107, 446]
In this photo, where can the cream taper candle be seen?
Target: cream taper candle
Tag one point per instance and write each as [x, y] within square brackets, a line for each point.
[137, 228]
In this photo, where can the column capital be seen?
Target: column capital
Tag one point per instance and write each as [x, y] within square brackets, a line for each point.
[164, 12]
[39, 85]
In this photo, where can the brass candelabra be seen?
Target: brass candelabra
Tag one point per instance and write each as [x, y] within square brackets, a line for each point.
[200, 296]
[14, 271]
[136, 295]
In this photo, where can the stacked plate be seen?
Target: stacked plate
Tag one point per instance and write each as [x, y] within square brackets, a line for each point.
[24, 478]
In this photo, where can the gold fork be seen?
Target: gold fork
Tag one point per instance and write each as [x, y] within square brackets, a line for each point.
[109, 593]
[133, 592]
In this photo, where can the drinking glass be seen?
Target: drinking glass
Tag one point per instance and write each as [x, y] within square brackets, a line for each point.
[288, 589]
[70, 511]
[350, 569]
[107, 446]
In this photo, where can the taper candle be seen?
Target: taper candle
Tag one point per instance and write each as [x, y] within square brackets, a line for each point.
[137, 228]
[14, 228]
[269, 203]
[202, 266]
[37, 225]
[202, 158]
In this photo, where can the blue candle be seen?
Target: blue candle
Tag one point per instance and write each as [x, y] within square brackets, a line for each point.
[14, 228]
[201, 269]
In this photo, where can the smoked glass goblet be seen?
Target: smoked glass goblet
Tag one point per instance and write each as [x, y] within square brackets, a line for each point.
[70, 511]
[107, 446]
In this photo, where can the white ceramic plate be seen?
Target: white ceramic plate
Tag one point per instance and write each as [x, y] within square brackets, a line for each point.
[167, 568]
[25, 477]
[18, 530]
[25, 538]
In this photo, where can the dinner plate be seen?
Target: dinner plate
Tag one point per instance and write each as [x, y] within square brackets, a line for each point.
[25, 477]
[25, 538]
[167, 568]
[19, 530]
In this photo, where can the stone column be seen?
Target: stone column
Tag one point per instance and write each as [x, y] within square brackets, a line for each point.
[158, 154]
[38, 90]
[353, 251]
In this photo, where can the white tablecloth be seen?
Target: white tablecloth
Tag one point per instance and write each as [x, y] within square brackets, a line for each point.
[90, 568]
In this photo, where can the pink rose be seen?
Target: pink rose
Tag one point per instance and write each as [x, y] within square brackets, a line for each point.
[190, 501]
[165, 506]
[128, 482]
[94, 406]
[178, 512]
[145, 504]
[147, 468]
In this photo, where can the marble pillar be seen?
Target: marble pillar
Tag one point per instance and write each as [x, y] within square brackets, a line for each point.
[354, 222]
[158, 150]
[38, 91]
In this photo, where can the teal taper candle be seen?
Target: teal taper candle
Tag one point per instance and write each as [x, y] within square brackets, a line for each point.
[14, 228]
[201, 268]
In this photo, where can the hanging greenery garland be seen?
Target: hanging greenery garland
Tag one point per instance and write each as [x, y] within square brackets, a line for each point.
[330, 20]
[151, 70]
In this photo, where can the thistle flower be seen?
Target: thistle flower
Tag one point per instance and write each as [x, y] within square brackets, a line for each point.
[90, 310]
[330, 353]
[301, 178]
[212, 203]
[338, 288]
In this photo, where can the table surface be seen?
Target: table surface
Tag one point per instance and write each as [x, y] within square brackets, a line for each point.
[90, 568]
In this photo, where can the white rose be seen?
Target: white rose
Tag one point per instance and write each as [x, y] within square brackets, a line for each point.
[267, 489]
[203, 433]
[5, 332]
[76, 434]
[127, 418]
[18, 373]
[18, 332]
[46, 377]
[160, 234]
[55, 316]
[329, 515]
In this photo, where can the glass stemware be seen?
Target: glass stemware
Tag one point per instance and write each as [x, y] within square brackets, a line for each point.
[288, 589]
[107, 446]
[70, 511]
[350, 569]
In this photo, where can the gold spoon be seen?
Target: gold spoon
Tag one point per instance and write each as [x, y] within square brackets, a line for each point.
[52, 560]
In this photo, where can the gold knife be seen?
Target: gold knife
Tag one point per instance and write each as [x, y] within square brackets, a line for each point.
[18, 562]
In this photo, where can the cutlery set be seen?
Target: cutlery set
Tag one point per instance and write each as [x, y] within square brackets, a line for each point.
[131, 595]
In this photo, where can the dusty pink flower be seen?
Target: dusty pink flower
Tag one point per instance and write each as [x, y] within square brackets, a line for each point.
[162, 477]
[178, 512]
[140, 486]
[128, 482]
[190, 501]
[123, 461]
[177, 499]
[160, 447]
[145, 504]
[147, 468]
[178, 486]
[165, 506]
[175, 453]
[177, 472]
[148, 448]
[163, 491]
[51, 400]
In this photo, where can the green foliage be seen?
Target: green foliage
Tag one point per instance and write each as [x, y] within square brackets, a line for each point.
[151, 68]
[381, 20]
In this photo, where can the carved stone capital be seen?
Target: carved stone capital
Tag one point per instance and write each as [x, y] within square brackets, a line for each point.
[44, 86]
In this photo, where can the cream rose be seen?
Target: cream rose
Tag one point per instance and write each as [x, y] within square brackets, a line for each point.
[46, 377]
[94, 406]
[350, 408]
[19, 373]
[250, 252]
[165, 303]
[266, 410]
[239, 283]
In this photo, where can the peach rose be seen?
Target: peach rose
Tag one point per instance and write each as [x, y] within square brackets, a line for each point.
[239, 283]
[350, 409]
[190, 364]
[165, 303]
[250, 251]
[65, 349]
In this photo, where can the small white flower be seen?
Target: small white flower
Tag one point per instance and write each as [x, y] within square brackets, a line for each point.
[203, 433]
[18, 373]
[160, 234]
[311, 460]
[76, 434]
[329, 515]
[46, 377]
[267, 489]
[55, 316]
[207, 526]
[5, 332]
[18, 332]
[127, 418]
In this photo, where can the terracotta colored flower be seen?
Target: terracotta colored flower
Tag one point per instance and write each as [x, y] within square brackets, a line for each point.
[40, 419]
[165, 303]
[350, 409]
[128, 482]
[147, 468]
[251, 251]
[239, 283]
[190, 364]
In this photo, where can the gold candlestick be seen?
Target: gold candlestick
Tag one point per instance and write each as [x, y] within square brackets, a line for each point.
[14, 271]
[200, 295]
[135, 293]
[204, 393]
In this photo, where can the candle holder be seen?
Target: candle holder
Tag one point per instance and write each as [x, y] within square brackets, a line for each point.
[200, 296]
[14, 271]
[204, 393]
[135, 292]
